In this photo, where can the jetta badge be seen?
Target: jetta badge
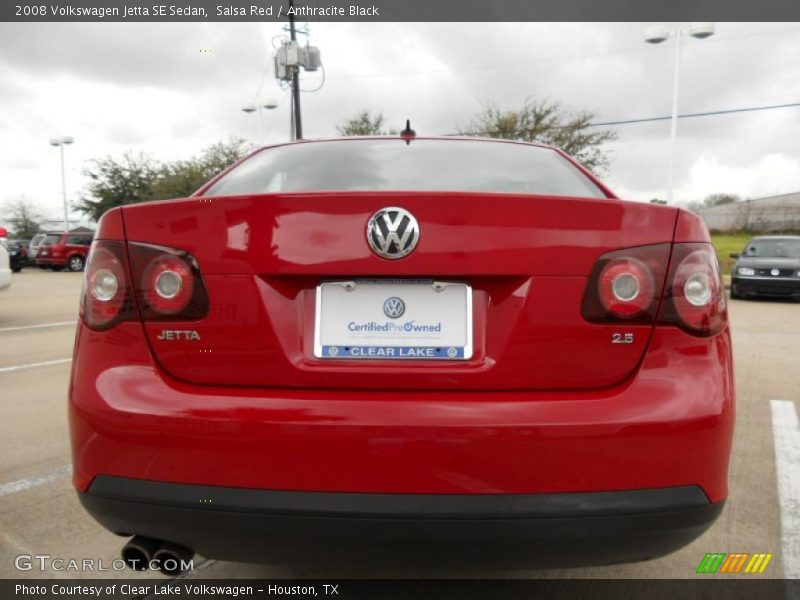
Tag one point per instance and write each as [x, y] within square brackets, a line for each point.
[392, 232]
[394, 308]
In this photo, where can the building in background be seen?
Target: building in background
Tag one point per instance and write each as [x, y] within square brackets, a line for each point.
[75, 225]
[773, 213]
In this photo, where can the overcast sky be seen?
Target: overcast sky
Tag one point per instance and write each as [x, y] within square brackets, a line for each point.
[172, 89]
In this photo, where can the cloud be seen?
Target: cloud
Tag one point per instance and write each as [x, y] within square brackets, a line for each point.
[148, 87]
[771, 174]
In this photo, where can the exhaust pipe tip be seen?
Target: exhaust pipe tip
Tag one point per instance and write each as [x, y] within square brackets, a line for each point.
[173, 559]
[138, 552]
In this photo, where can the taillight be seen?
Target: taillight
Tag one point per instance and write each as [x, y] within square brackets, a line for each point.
[695, 299]
[626, 285]
[164, 282]
[629, 286]
[106, 297]
[168, 284]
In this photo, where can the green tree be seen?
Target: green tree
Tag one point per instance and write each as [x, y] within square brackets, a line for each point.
[24, 216]
[116, 182]
[693, 206]
[182, 178]
[719, 199]
[547, 122]
[140, 178]
[363, 123]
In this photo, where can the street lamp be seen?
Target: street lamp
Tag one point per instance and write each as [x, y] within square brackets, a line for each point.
[661, 33]
[60, 142]
[269, 104]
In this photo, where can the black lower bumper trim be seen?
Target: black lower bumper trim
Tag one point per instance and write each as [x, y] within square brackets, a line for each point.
[765, 287]
[510, 530]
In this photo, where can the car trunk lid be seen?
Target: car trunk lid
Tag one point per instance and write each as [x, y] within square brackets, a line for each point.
[526, 259]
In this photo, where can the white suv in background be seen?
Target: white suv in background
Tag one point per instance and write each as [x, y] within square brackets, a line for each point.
[5, 271]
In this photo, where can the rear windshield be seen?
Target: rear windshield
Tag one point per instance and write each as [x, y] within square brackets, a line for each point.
[784, 248]
[422, 165]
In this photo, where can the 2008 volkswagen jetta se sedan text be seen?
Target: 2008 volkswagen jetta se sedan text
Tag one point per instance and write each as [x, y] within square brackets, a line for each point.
[425, 348]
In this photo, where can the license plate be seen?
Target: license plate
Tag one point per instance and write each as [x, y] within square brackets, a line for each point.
[400, 320]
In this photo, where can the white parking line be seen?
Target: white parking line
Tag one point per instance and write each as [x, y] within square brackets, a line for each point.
[786, 430]
[39, 326]
[24, 484]
[45, 363]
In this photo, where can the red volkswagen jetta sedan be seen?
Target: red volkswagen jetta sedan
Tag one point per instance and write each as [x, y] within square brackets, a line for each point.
[444, 348]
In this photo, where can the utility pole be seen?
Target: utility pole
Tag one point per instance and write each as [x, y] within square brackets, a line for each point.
[288, 60]
[296, 118]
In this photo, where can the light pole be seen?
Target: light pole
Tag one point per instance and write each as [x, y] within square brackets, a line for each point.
[60, 142]
[661, 33]
[270, 104]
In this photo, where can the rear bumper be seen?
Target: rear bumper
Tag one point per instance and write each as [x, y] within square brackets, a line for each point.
[296, 527]
[669, 426]
[763, 286]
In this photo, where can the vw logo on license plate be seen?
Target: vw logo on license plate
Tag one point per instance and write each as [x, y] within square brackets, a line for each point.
[394, 308]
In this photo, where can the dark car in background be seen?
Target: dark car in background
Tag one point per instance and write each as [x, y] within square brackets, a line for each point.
[768, 266]
[64, 250]
[18, 255]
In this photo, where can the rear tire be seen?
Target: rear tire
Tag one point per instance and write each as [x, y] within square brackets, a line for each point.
[76, 263]
[16, 268]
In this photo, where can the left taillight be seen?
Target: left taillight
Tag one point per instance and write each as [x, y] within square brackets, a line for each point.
[164, 283]
[695, 300]
[633, 286]
[106, 298]
[625, 285]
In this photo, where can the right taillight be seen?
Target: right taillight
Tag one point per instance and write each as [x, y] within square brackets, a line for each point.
[164, 283]
[168, 284]
[695, 298]
[633, 286]
[106, 294]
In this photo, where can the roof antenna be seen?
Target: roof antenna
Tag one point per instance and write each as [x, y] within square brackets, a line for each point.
[408, 134]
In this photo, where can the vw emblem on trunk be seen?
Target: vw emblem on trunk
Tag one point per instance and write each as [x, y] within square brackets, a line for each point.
[394, 308]
[392, 232]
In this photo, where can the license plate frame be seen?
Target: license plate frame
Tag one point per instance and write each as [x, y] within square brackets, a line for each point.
[439, 336]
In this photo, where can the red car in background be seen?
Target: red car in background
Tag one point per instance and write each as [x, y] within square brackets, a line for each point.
[64, 250]
[412, 348]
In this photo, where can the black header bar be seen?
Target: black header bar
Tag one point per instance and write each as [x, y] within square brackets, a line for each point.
[397, 10]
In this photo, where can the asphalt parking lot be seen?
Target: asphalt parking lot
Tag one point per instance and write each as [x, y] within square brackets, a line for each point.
[39, 513]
